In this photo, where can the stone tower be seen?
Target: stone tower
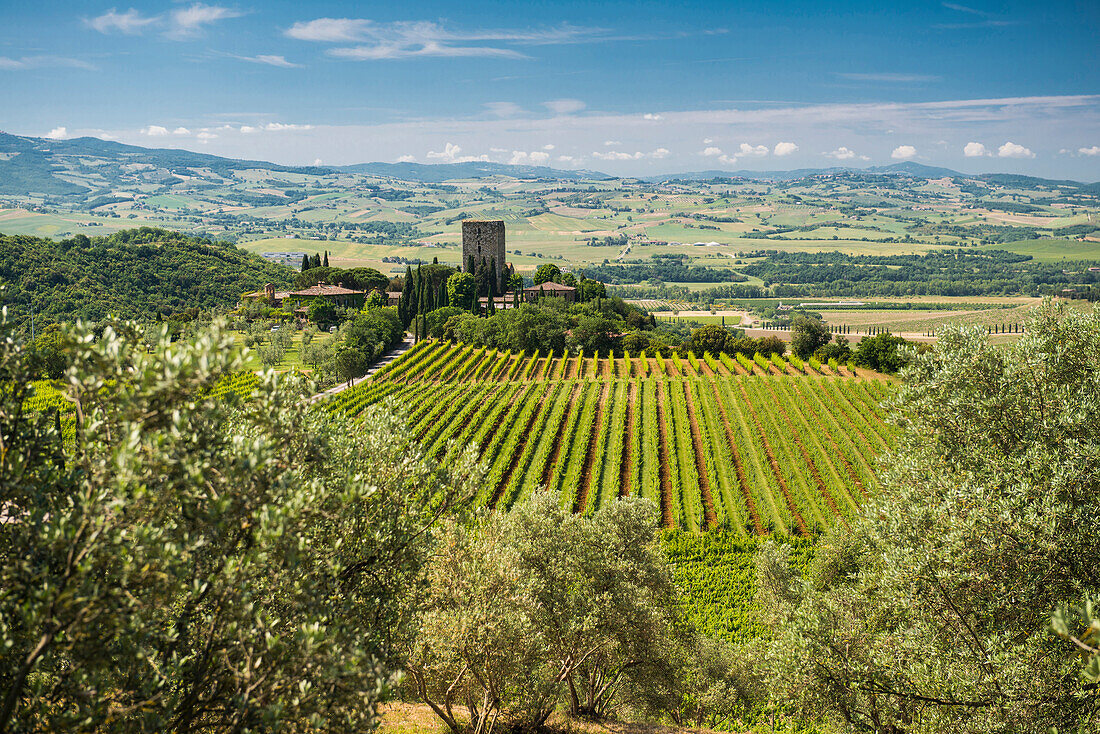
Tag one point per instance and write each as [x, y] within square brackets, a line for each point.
[484, 240]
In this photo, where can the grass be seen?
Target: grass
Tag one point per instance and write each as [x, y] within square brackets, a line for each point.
[1052, 250]
[414, 718]
[292, 360]
[923, 321]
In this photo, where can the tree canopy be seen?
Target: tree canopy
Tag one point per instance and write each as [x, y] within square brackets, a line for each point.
[135, 273]
[931, 612]
[180, 561]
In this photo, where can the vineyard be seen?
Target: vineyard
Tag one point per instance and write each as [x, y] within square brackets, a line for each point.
[755, 446]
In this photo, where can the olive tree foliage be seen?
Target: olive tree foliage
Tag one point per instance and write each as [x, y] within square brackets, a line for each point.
[538, 608]
[1079, 624]
[189, 563]
[931, 612]
[808, 335]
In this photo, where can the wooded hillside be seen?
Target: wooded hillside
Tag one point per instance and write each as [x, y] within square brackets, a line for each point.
[132, 274]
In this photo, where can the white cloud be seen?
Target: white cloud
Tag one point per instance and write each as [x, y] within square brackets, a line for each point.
[316, 161]
[451, 154]
[652, 116]
[281, 126]
[332, 30]
[1094, 150]
[729, 160]
[1012, 150]
[618, 155]
[409, 39]
[154, 131]
[205, 136]
[249, 129]
[568, 159]
[181, 131]
[564, 106]
[397, 51]
[612, 143]
[131, 22]
[407, 159]
[707, 141]
[903, 152]
[548, 146]
[41, 62]
[58, 133]
[271, 60]
[190, 21]
[504, 109]
[974, 150]
[179, 24]
[751, 151]
[891, 77]
[841, 154]
[712, 151]
[534, 158]
[782, 149]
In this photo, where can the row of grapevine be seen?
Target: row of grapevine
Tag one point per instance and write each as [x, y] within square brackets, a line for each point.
[443, 362]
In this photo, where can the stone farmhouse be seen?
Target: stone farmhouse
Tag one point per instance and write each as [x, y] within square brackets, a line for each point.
[298, 301]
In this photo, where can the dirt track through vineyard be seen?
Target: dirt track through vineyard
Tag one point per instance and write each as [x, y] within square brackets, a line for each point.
[628, 442]
[662, 447]
[556, 452]
[544, 404]
[700, 459]
[590, 453]
[775, 465]
[738, 466]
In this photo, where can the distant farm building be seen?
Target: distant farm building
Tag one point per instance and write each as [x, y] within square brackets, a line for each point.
[292, 259]
[337, 295]
[567, 292]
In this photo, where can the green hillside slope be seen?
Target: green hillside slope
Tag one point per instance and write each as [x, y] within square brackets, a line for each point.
[132, 274]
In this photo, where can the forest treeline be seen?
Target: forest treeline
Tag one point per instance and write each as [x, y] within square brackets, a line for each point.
[957, 272]
[137, 274]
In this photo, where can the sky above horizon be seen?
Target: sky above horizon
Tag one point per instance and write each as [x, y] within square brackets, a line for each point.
[628, 88]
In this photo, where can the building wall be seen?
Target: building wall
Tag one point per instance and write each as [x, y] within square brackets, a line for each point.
[484, 240]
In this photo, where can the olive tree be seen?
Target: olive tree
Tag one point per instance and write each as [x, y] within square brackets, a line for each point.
[183, 562]
[808, 335]
[538, 608]
[931, 612]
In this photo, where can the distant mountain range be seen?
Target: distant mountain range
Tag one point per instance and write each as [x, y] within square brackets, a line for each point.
[83, 167]
[907, 168]
[439, 172]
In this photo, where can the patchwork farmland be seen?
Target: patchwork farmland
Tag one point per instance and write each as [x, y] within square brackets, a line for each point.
[754, 446]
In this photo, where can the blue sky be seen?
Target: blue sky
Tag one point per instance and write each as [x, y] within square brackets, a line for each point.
[623, 87]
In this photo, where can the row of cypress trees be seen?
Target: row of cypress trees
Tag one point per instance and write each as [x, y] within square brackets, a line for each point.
[420, 294]
[314, 261]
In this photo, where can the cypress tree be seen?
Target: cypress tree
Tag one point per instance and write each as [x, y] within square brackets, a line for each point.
[417, 302]
[470, 264]
[315, 261]
[305, 263]
[403, 306]
[326, 258]
[422, 297]
[492, 277]
[481, 276]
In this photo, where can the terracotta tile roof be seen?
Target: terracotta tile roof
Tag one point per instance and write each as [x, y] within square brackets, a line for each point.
[549, 286]
[279, 295]
[322, 289]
